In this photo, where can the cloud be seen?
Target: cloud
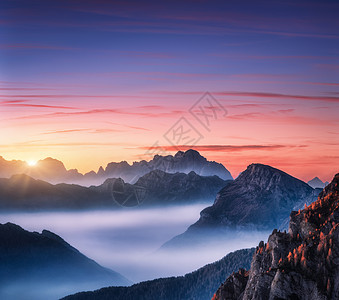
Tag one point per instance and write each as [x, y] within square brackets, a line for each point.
[256, 95]
[34, 46]
[127, 111]
[88, 130]
[20, 103]
[24, 89]
[223, 148]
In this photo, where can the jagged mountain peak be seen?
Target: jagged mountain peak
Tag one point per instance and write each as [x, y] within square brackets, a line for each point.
[267, 177]
[317, 183]
[193, 154]
[179, 154]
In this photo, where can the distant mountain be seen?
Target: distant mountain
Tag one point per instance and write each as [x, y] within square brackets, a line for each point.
[54, 171]
[261, 198]
[43, 266]
[48, 169]
[21, 192]
[317, 183]
[198, 285]
[300, 264]
[165, 188]
[154, 188]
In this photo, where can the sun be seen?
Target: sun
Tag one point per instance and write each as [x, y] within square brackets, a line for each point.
[32, 163]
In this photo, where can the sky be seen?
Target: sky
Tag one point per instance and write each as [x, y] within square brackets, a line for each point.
[90, 82]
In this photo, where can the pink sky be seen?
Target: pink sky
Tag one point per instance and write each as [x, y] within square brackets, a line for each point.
[89, 83]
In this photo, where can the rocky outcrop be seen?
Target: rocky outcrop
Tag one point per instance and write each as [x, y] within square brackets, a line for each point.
[234, 286]
[300, 264]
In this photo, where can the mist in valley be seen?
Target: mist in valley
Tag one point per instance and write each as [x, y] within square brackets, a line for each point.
[128, 241]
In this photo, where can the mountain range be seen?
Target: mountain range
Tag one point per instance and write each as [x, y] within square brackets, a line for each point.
[198, 285]
[54, 171]
[155, 188]
[317, 183]
[43, 266]
[260, 198]
[300, 264]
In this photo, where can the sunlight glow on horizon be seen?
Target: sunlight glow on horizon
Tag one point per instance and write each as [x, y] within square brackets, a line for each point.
[32, 163]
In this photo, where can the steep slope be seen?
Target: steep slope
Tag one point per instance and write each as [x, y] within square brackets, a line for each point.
[54, 171]
[261, 198]
[300, 264]
[198, 285]
[43, 266]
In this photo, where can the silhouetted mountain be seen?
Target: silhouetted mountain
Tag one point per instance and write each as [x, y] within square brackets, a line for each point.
[54, 171]
[43, 266]
[300, 264]
[317, 183]
[165, 188]
[155, 188]
[260, 198]
[182, 162]
[48, 169]
[24, 192]
[198, 285]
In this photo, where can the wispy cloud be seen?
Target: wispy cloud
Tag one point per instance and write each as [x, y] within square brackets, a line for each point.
[256, 95]
[87, 130]
[223, 148]
[23, 46]
[135, 112]
[22, 103]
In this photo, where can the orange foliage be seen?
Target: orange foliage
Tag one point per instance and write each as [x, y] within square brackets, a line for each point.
[328, 285]
[289, 256]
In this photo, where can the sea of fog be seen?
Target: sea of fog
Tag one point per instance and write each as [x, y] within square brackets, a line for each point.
[127, 240]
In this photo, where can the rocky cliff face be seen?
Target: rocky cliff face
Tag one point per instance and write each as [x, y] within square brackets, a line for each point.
[300, 264]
